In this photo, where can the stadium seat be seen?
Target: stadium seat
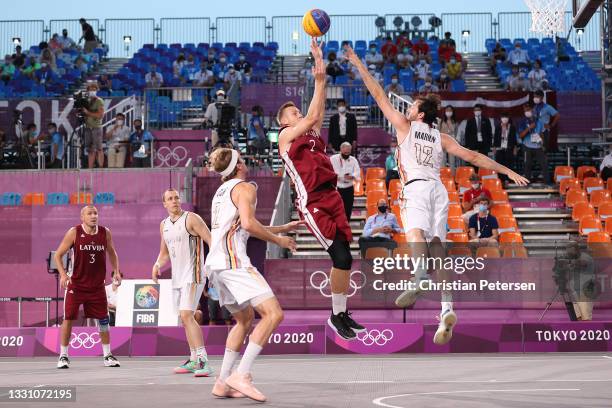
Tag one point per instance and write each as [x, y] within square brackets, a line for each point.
[563, 172]
[456, 224]
[575, 196]
[581, 210]
[513, 251]
[599, 197]
[507, 224]
[605, 210]
[457, 237]
[80, 198]
[492, 184]
[453, 197]
[463, 185]
[499, 196]
[104, 198]
[510, 237]
[569, 184]
[446, 172]
[371, 209]
[608, 228]
[585, 171]
[449, 184]
[401, 251]
[394, 192]
[593, 183]
[459, 250]
[395, 209]
[375, 185]
[598, 237]
[463, 172]
[609, 184]
[454, 210]
[401, 238]
[10, 198]
[395, 184]
[488, 252]
[588, 225]
[502, 210]
[373, 197]
[375, 173]
[376, 252]
[34, 199]
[486, 173]
[57, 199]
[359, 190]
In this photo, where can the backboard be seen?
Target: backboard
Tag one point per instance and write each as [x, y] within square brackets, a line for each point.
[583, 10]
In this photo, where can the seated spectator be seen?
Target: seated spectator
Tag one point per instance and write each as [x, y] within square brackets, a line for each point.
[516, 81]
[257, 141]
[244, 67]
[378, 229]
[389, 51]
[537, 77]
[2, 139]
[66, 42]
[377, 75]
[402, 41]
[154, 79]
[605, 169]
[443, 83]
[405, 58]
[81, 64]
[518, 56]
[204, 77]
[498, 55]
[340, 57]
[454, 68]
[333, 68]
[105, 83]
[212, 57]
[55, 45]
[118, 137]
[422, 69]
[30, 70]
[429, 86]
[57, 146]
[7, 70]
[112, 292]
[471, 196]
[189, 70]
[448, 124]
[374, 57]
[45, 76]
[394, 86]
[232, 82]
[482, 225]
[140, 145]
[221, 68]
[177, 66]
[391, 164]
[18, 58]
[421, 49]
[48, 57]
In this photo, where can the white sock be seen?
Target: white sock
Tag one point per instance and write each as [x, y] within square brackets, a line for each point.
[447, 301]
[229, 359]
[201, 353]
[192, 355]
[251, 352]
[64, 351]
[106, 349]
[338, 303]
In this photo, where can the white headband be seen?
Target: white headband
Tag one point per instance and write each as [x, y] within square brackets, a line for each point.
[232, 164]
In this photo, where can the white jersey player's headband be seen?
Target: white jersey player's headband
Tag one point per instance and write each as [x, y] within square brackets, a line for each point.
[232, 164]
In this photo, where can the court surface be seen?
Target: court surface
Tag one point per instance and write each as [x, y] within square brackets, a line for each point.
[482, 380]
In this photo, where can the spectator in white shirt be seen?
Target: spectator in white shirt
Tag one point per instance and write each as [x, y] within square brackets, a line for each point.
[154, 79]
[347, 169]
[65, 41]
[177, 66]
[377, 75]
[605, 168]
[374, 57]
[118, 137]
[422, 69]
[518, 56]
[394, 86]
[515, 81]
[537, 77]
[112, 291]
[204, 77]
[429, 86]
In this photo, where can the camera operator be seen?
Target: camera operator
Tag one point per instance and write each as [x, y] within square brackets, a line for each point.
[577, 273]
[93, 126]
[213, 117]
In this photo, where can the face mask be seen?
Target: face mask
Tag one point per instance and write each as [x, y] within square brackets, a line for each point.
[482, 207]
[120, 122]
[537, 100]
[34, 133]
[477, 113]
[428, 84]
[422, 62]
[137, 127]
[341, 109]
[51, 130]
[92, 93]
[394, 81]
[222, 60]
[116, 282]
[232, 70]
[373, 51]
[241, 58]
[372, 72]
[449, 114]
[443, 76]
[453, 61]
[505, 120]
[475, 186]
[211, 57]
[382, 209]
[345, 156]
[528, 114]
[406, 50]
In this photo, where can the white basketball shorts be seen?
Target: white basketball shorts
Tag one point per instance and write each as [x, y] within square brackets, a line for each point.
[239, 288]
[424, 205]
[187, 296]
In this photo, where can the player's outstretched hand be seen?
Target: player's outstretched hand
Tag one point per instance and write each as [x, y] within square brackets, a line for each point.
[293, 225]
[517, 178]
[349, 53]
[64, 281]
[288, 243]
[316, 49]
[155, 273]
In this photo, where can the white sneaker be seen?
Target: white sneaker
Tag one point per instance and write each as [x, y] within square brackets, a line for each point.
[408, 297]
[111, 361]
[63, 362]
[448, 319]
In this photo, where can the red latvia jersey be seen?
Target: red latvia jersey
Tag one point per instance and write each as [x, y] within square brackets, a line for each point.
[307, 163]
[89, 267]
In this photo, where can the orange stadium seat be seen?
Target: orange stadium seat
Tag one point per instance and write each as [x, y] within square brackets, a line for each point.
[395, 184]
[586, 171]
[514, 251]
[376, 252]
[507, 224]
[457, 237]
[593, 183]
[488, 252]
[487, 174]
[456, 224]
[609, 227]
[453, 197]
[589, 224]
[563, 172]
[459, 250]
[582, 209]
[375, 185]
[499, 196]
[401, 238]
[569, 184]
[492, 184]
[605, 211]
[446, 172]
[34, 199]
[359, 190]
[454, 210]
[599, 197]
[609, 184]
[463, 172]
[502, 210]
[401, 251]
[394, 191]
[601, 237]
[371, 209]
[463, 185]
[510, 237]
[373, 197]
[375, 173]
[575, 196]
[449, 184]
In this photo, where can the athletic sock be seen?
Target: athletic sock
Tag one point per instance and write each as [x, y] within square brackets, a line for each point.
[447, 301]
[201, 353]
[106, 349]
[229, 359]
[251, 352]
[192, 355]
[64, 351]
[338, 303]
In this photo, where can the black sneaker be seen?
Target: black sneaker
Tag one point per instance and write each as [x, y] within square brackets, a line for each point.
[338, 325]
[111, 361]
[353, 325]
[63, 362]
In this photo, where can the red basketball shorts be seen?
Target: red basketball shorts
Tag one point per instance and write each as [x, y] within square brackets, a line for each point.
[93, 301]
[325, 217]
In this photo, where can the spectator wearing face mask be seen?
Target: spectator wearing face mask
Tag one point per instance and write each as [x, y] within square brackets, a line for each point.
[454, 68]
[515, 81]
[375, 74]
[537, 77]
[112, 293]
[443, 82]
[379, 229]
[57, 146]
[154, 79]
[405, 58]
[140, 143]
[45, 75]
[423, 70]
[446, 47]
[177, 66]
[504, 143]
[391, 164]
[471, 196]
[483, 226]
[530, 133]
[342, 127]
[421, 50]
[257, 132]
[394, 86]
[189, 70]
[118, 136]
[333, 68]
[347, 169]
[244, 67]
[429, 86]
[65, 41]
[499, 55]
[373, 57]
[448, 124]
[518, 56]
[232, 84]
[479, 132]
[403, 41]
[546, 114]
[389, 51]
[220, 68]
[306, 73]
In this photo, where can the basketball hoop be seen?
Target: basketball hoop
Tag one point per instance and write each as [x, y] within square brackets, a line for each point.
[547, 16]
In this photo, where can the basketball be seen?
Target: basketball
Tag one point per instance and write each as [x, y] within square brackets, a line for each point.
[316, 22]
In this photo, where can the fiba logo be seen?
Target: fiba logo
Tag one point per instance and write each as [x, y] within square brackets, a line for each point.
[375, 337]
[84, 340]
[146, 297]
[320, 280]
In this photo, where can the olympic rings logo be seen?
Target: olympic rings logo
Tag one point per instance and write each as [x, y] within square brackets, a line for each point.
[325, 281]
[84, 340]
[165, 155]
[378, 337]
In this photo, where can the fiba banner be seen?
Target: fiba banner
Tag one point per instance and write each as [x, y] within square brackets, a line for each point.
[141, 302]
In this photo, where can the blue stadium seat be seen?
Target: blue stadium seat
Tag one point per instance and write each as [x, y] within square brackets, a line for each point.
[11, 199]
[57, 199]
[104, 198]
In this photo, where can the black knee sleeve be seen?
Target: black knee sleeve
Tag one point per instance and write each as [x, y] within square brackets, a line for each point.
[340, 253]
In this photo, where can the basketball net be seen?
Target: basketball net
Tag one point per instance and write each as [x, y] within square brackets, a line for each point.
[547, 16]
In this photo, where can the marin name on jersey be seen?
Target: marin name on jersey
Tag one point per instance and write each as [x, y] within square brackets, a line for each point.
[425, 136]
[92, 247]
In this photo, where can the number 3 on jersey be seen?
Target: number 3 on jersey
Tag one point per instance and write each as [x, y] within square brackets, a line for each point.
[93, 258]
[423, 155]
